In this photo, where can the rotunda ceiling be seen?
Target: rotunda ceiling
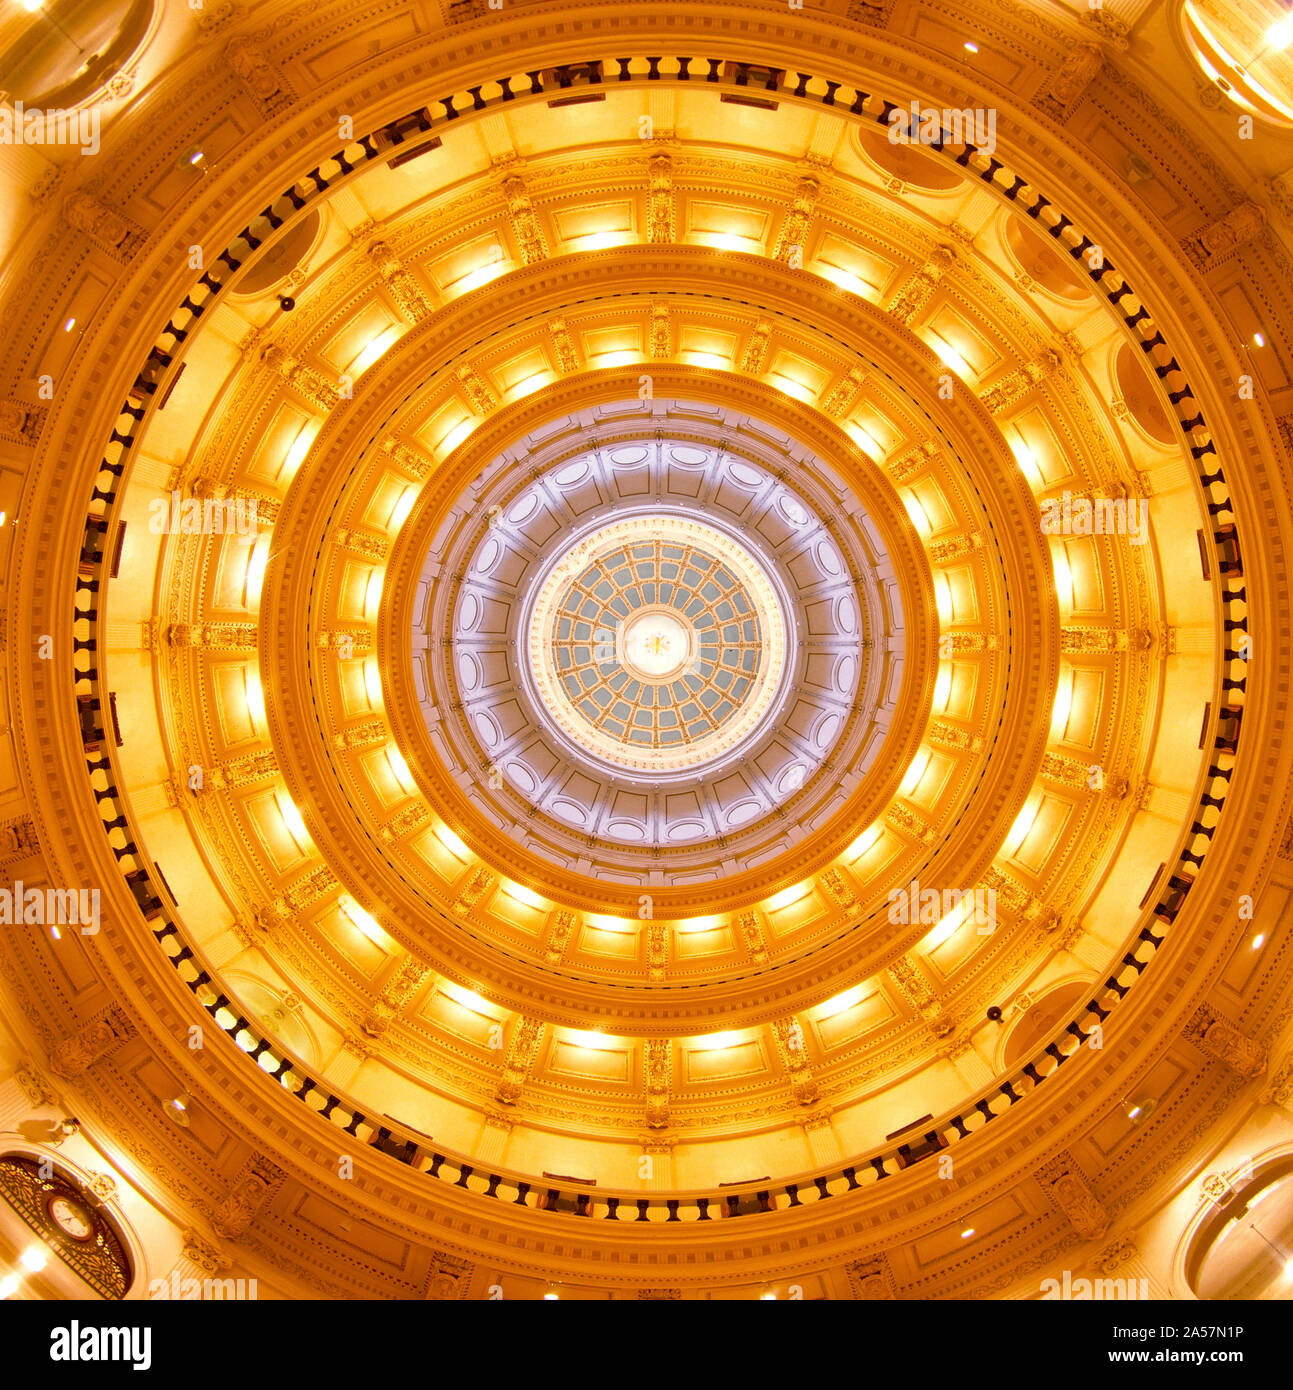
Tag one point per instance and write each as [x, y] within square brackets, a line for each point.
[665, 570]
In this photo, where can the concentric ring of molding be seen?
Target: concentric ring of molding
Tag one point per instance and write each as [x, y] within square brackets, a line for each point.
[755, 585]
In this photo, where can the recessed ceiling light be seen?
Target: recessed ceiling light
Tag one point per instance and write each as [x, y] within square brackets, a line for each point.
[1278, 36]
[971, 47]
[69, 325]
[967, 1233]
[1259, 340]
[1259, 941]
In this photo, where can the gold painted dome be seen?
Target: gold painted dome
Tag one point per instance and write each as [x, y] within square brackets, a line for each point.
[718, 726]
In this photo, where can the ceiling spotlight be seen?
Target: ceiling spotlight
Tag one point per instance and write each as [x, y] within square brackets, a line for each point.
[69, 325]
[1139, 1110]
[34, 1258]
[967, 1233]
[971, 46]
[178, 1108]
[193, 158]
[31, 6]
[551, 1297]
[1259, 340]
[1278, 36]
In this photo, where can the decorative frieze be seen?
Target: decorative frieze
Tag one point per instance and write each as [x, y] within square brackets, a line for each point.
[314, 386]
[915, 292]
[750, 929]
[363, 735]
[400, 282]
[248, 1195]
[483, 401]
[265, 83]
[229, 637]
[788, 1034]
[660, 207]
[416, 464]
[871, 1280]
[755, 357]
[657, 1069]
[794, 228]
[1220, 1038]
[661, 333]
[112, 233]
[106, 1032]
[18, 840]
[1064, 1183]
[1222, 238]
[1018, 383]
[525, 221]
[916, 989]
[520, 1058]
[1066, 87]
[842, 395]
[562, 925]
[480, 881]
[839, 889]
[563, 345]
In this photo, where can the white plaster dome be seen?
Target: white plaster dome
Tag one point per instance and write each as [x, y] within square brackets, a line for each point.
[659, 642]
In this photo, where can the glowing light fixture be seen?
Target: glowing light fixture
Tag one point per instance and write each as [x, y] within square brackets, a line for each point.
[468, 998]
[450, 841]
[34, 1258]
[300, 447]
[1259, 941]
[254, 695]
[915, 771]
[1024, 821]
[717, 1042]
[1280, 34]
[363, 921]
[865, 842]
[617, 359]
[292, 818]
[1259, 340]
[400, 512]
[380, 344]
[8, 1286]
[1063, 706]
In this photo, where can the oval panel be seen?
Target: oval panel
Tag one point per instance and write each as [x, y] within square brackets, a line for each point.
[572, 474]
[687, 456]
[486, 729]
[468, 671]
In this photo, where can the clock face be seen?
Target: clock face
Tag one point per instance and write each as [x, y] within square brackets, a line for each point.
[71, 1218]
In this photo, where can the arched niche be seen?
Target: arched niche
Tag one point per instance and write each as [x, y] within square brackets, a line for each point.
[1241, 1244]
[1040, 1020]
[69, 49]
[93, 1252]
